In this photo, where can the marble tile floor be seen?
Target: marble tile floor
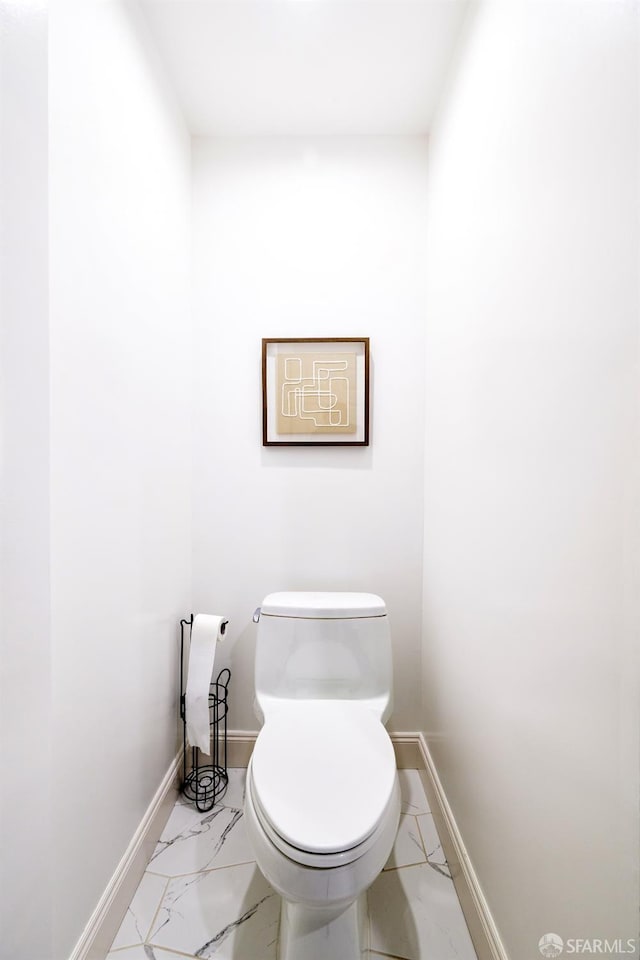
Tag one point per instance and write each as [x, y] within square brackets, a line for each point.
[203, 896]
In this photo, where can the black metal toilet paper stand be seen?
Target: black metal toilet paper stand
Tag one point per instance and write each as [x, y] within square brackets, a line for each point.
[204, 784]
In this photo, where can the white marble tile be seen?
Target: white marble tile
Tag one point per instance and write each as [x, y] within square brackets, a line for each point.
[145, 952]
[204, 895]
[431, 839]
[234, 794]
[408, 846]
[415, 914]
[193, 841]
[222, 914]
[142, 909]
[374, 955]
[414, 800]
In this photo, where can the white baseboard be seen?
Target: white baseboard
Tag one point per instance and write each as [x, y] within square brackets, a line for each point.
[240, 745]
[105, 921]
[480, 922]
[408, 756]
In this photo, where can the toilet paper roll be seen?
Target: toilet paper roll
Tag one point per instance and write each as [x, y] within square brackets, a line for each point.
[206, 631]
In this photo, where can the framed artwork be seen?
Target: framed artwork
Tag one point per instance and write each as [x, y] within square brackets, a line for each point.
[315, 391]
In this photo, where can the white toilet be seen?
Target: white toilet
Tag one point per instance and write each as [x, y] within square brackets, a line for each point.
[322, 802]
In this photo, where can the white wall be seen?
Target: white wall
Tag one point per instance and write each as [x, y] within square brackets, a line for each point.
[304, 237]
[25, 663]
[120, 438]
[532, 467]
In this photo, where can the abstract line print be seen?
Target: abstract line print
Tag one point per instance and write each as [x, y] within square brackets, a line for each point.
[316, 393]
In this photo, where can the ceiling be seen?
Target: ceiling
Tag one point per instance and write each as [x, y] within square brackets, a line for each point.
[296, 67]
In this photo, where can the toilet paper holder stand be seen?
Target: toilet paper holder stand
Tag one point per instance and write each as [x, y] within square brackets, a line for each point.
[205, 783]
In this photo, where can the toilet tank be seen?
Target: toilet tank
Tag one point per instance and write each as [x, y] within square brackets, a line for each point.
[323, 646]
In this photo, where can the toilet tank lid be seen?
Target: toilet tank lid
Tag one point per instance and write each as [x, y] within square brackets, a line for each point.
[323, 606]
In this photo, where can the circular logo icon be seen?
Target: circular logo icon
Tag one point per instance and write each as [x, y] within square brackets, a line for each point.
[551, 945]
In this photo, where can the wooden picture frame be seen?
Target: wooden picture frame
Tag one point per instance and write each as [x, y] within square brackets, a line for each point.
[315, 391]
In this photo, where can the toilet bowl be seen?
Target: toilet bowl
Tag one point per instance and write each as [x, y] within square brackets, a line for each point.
[322, 801]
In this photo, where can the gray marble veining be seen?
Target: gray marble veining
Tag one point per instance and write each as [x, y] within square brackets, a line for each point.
[194, 841]
[203, 896]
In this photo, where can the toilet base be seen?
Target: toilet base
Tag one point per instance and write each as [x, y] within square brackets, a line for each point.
[312, 933]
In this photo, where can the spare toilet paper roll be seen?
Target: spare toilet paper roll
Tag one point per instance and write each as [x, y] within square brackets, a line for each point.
[206, 631]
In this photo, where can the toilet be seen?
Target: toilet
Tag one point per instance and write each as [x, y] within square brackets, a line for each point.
[322, 802]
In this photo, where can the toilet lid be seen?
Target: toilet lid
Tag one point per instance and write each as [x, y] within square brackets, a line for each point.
[323, 773]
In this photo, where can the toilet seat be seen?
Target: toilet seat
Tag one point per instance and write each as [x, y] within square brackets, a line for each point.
[304, 857]
[322, 778]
